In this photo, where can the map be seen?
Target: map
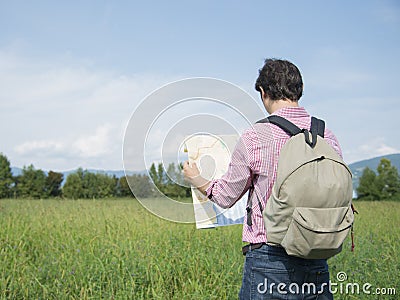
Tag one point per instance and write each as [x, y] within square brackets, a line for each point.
[212, 155]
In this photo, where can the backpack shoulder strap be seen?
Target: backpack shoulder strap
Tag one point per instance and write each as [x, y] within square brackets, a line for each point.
[317, 126]
[249, 206]
[282, 123]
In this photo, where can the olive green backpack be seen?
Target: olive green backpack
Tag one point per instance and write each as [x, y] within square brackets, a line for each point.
[309, 212]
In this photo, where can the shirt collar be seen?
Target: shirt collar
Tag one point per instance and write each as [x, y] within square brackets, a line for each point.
[291, 112]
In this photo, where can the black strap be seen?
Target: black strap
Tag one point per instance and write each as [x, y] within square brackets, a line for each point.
[284, 124]
[317, 128]
[249, 208]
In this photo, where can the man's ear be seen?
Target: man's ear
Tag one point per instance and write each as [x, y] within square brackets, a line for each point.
[262, 92]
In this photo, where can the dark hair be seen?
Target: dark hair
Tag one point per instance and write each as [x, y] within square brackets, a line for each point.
[280, 79]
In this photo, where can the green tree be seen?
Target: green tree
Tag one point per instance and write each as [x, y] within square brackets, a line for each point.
[73, 187]
[87, 185]
[105, 186]
[171, 175]
[368, 188]
[388, 180]
[381, 185]
[115, 185]
[154, 175]
[53, 183]
[15, 186]
[174, 186]
[6, 179]
[170, 183]
[90, 187]
[123, 187]
[157, 176]
[32, 183]
[141, 186]
[161, 177]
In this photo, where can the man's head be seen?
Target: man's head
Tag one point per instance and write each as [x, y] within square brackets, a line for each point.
[279, 80]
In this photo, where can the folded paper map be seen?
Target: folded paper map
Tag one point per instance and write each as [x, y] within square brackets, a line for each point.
[212, 155]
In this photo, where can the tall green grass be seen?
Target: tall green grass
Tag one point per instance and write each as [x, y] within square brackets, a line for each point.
[375, 259]
[115, 249]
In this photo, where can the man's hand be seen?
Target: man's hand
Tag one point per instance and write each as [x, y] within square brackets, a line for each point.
[192, 174]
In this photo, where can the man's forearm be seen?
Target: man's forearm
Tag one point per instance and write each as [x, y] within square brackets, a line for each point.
[200, 183]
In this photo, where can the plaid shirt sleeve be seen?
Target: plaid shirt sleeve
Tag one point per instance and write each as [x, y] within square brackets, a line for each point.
[227, 190]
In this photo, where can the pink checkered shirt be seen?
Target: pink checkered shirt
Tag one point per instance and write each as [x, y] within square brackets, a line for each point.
[257, 154]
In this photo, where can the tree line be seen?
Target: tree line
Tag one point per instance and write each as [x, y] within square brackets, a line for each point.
[382, 184]
[36, 184]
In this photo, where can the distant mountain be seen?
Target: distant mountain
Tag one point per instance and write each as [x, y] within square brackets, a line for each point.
[116, 173]
[372, 163]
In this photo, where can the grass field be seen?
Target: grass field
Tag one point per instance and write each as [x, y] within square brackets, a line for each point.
[115, 249]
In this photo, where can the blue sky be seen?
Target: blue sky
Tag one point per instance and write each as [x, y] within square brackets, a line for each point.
[72, 72]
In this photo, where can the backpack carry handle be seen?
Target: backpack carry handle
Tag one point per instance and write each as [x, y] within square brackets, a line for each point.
[318, 126]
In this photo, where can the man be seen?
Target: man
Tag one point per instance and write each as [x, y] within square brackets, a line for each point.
[269, 273]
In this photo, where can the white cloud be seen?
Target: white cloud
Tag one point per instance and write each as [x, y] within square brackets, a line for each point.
[374, 147]
[378, 150]
[31, 147]
[96, 145]
[100, 143]
[385, 150]
[60, 116]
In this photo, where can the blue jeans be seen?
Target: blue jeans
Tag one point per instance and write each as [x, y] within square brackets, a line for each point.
[269, 273]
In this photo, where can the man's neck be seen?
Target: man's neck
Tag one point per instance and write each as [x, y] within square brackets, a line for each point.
[273, 106]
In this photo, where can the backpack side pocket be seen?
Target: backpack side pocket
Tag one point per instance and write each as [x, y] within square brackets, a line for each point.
[317, 233]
